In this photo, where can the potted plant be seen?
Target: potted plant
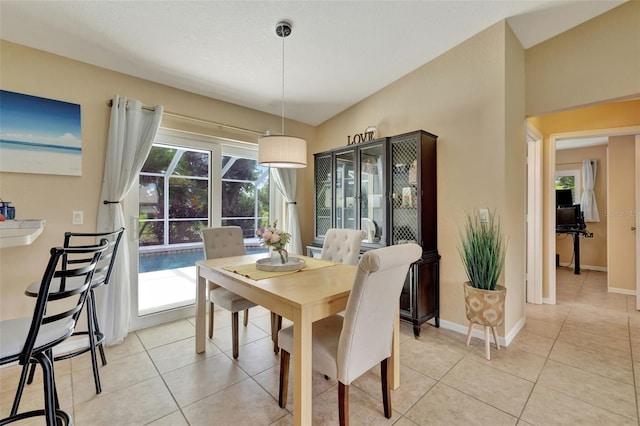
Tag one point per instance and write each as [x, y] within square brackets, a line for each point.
[482, 249]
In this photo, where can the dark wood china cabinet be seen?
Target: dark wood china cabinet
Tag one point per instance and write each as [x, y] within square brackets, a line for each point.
[387, 188]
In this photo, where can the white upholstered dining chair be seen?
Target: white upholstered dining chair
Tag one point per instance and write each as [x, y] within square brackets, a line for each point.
[347, 347]
[225, 241]
[340, 245]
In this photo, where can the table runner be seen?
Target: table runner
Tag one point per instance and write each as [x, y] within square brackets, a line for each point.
[250, 271]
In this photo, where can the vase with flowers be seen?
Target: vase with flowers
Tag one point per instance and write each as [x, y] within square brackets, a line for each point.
[276, 239]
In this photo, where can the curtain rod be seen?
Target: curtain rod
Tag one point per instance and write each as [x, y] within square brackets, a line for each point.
[199, 120]
[569, 164]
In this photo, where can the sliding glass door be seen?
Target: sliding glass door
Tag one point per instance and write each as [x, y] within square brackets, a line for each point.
[173, 205]
[186, 184]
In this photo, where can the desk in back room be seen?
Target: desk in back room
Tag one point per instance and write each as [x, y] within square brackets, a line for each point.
[576, 232]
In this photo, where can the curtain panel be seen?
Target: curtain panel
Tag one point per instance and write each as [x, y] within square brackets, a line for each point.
[588, 201]
[132, 130]
[285, 180]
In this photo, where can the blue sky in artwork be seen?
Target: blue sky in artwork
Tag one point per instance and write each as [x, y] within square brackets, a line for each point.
[26, 118]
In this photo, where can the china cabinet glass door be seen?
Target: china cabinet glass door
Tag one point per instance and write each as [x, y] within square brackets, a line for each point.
[324, 198]
[372, 199]
[345, 184]
[405, 191]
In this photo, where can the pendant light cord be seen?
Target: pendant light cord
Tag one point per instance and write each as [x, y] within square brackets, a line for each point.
[283, 37]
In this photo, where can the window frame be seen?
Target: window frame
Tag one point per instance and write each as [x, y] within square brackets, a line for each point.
[577, 181]
[176, 138]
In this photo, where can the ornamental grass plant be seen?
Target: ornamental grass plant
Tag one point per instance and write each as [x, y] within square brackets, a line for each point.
[482, 250]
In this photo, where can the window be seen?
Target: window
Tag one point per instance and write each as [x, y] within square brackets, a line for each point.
[245, 194]
[187, 183]
[174, 196]
[570, 179]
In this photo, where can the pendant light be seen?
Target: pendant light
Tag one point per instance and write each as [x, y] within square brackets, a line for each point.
[282, 151]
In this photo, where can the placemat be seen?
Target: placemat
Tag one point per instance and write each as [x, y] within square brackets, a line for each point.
[250, 271]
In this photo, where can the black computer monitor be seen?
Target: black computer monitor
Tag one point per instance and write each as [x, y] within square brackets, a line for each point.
[569, 217]
[564, 198]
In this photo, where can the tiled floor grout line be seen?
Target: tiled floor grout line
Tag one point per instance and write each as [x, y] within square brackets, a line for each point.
[573, 303]
[164, 382]
[471, 395]
[546, 360]
[633, 368]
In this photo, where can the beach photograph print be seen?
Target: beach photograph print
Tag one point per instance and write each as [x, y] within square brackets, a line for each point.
[39, 135]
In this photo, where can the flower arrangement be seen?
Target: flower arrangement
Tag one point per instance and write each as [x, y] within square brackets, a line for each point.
[275, 239]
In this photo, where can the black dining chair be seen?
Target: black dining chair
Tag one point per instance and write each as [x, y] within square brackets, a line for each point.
[101, 277]
[31, 339]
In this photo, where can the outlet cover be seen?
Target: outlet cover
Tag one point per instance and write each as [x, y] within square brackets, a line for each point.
[484, 215]
[78, 218]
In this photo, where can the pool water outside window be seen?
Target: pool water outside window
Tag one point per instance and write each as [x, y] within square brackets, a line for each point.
[166, 279]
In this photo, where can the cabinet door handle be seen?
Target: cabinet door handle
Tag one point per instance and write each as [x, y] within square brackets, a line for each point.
[633, 228]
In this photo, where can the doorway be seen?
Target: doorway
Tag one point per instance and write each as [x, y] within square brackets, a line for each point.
[534, 215]
[558, 139]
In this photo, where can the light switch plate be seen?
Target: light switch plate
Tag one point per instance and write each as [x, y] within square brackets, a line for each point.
[484, 215]
[77, 218]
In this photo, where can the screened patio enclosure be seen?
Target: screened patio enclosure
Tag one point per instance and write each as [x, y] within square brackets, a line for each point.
[177, 198]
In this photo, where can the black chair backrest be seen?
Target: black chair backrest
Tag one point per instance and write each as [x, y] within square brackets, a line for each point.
[108, 258]
[81, 265]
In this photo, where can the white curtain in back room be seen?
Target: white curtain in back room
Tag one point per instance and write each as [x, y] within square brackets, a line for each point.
[588, 200]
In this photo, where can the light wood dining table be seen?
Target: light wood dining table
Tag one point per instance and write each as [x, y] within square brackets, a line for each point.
[302, 297]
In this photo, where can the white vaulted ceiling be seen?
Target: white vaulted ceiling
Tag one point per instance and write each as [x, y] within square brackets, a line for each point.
[340, 52]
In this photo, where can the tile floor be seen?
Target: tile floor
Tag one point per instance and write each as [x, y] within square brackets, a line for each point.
[576, 362]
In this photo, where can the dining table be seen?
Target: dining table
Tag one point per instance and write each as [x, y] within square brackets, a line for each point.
[317, 291]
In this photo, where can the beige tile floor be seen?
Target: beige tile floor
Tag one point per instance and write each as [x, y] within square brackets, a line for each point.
[575, 363]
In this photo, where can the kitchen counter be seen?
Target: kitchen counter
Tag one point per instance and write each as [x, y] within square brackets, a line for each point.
[20, 232]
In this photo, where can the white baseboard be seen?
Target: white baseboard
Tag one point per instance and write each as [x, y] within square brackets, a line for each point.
[589, 267]
[515, 330]
[621, 291]
[478, 332]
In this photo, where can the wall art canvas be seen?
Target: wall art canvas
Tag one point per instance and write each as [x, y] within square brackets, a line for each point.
[39, 135]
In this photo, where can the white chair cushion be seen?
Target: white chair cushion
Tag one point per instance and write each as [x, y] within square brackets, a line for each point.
[13, 334]
[223, 241]
[342, 245]
[229, 300]
[326, 336]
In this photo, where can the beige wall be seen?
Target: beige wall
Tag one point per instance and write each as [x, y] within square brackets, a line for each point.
[591, 63]
[621, 214]
[53, 198]
[593, 251]
[472, 97]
